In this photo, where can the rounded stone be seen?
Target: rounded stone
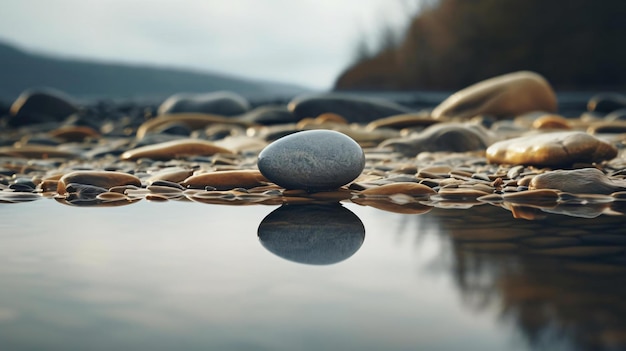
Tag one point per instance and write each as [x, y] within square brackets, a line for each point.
[352, 108]
[578, 181]
[506, 95]
[551, 149]
[312, 234]
[221, 103]
[452, 137]
[43, 105]
[312, 160]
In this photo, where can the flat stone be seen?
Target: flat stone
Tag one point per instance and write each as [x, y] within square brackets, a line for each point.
[408, 120]
[221, 103]
[103, 179]
[578, 181]
[74, 133]
[546, 197]
[192, 121]
[170, 174]
[312, 160]
[551, 149]
[42, 105]
[312, 234]
[268, 115]
[451, 137]
[226, 180]
[175, 149]
[352, 108]
[502, 96]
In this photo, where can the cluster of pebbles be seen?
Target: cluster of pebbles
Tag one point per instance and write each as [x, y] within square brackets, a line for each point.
[500, 142]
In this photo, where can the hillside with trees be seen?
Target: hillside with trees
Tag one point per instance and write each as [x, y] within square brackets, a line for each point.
[449, 44]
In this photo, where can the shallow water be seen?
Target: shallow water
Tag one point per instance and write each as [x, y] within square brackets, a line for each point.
[191, 276]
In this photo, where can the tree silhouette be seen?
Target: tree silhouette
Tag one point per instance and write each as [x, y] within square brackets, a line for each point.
[449, 44]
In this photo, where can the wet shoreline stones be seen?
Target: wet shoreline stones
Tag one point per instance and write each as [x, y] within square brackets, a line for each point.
[329, 149]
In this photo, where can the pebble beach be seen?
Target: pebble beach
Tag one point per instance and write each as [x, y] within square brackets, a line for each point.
[500, 142]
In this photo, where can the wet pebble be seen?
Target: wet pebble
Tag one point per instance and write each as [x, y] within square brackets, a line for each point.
[226, 180]
[175, 149]
[441, 137]
[352, 108]
[41, 105]
[506, 95]
[551, 149]
[312, 160]
[219, 103]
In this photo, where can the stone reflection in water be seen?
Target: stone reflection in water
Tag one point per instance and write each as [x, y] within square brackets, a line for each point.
[312, 234]
[560, 281]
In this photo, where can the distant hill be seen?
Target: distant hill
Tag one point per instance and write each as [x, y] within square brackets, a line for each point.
[20, 70]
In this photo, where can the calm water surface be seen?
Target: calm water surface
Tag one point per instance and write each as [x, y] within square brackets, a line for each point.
[190, 276]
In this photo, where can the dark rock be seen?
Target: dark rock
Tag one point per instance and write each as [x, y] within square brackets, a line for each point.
[269, 115]
[312, 160]
[173, 128]
[220, 103]
[450, 137]
[352, 108]
[37, 106]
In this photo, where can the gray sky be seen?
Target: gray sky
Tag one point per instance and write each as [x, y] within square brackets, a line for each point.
[307, 42]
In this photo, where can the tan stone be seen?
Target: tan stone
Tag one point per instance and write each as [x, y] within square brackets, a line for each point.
[542, 197]
[171, 174]
[551, 122]
[74, 133]
[506, 95]
[551, 149]
[226, 180]
[175, 149]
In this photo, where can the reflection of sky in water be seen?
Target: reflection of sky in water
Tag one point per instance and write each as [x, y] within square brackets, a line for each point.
[190, 276]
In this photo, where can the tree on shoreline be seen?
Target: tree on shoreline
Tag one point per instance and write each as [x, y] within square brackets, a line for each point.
[450, 44]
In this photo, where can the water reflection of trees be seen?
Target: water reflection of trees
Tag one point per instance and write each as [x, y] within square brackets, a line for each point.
[560, 281]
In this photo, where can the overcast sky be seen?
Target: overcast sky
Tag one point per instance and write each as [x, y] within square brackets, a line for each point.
[307, 42]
